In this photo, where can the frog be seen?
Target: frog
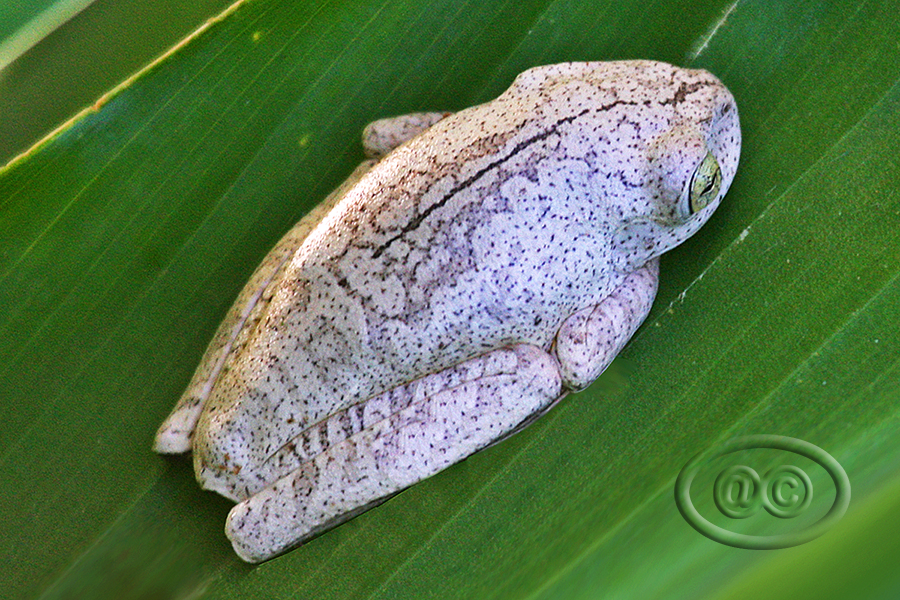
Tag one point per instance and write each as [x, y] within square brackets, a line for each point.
[474, 269]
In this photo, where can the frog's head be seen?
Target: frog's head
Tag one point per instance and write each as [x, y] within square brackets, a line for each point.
[689, 159]
[662, 143]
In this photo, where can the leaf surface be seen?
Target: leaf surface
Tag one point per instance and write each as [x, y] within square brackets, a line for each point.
[125, 237]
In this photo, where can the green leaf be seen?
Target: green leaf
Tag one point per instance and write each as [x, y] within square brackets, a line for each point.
[25, 22]
[54, 62]
[125, 237]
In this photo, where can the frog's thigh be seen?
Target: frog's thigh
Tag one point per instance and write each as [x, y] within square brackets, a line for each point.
[174, 435]
[381, 136]
[418, 430]
[591, 338]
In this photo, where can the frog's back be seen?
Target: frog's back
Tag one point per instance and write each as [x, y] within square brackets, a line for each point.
[366, 305]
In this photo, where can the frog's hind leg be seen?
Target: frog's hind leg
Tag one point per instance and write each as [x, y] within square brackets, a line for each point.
[381, 136]
[358, 457]
[174, 435]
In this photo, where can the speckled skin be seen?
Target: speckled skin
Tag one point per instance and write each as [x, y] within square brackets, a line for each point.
[456, 286]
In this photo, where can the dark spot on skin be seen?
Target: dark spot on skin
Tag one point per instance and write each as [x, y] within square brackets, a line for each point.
[683, 90]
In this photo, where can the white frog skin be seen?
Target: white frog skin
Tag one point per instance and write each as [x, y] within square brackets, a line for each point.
[481, 265]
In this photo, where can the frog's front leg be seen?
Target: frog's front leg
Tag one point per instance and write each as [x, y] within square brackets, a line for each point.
[175, 434]
[589, 339]
[360, 456]
[592, 337]
[382, 136]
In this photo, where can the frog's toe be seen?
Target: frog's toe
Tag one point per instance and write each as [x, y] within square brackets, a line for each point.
[382, 136]
[223, 461]
[175, 433]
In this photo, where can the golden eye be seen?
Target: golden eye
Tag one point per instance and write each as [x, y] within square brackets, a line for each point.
[705, 184]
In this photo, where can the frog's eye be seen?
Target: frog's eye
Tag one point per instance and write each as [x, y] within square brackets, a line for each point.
[705, 184]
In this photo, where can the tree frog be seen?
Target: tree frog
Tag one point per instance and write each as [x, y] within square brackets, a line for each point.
[477, 267]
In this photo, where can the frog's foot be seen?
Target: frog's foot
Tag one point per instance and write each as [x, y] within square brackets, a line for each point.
[591, 338]
[175, 435]
[381, 136]
[359, 457]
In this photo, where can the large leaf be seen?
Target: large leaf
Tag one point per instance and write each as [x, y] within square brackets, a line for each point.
[54, 62]
[26, 22]
[125, 237]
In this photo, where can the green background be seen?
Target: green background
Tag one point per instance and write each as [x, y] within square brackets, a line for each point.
[61, 60]
[125, 237]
